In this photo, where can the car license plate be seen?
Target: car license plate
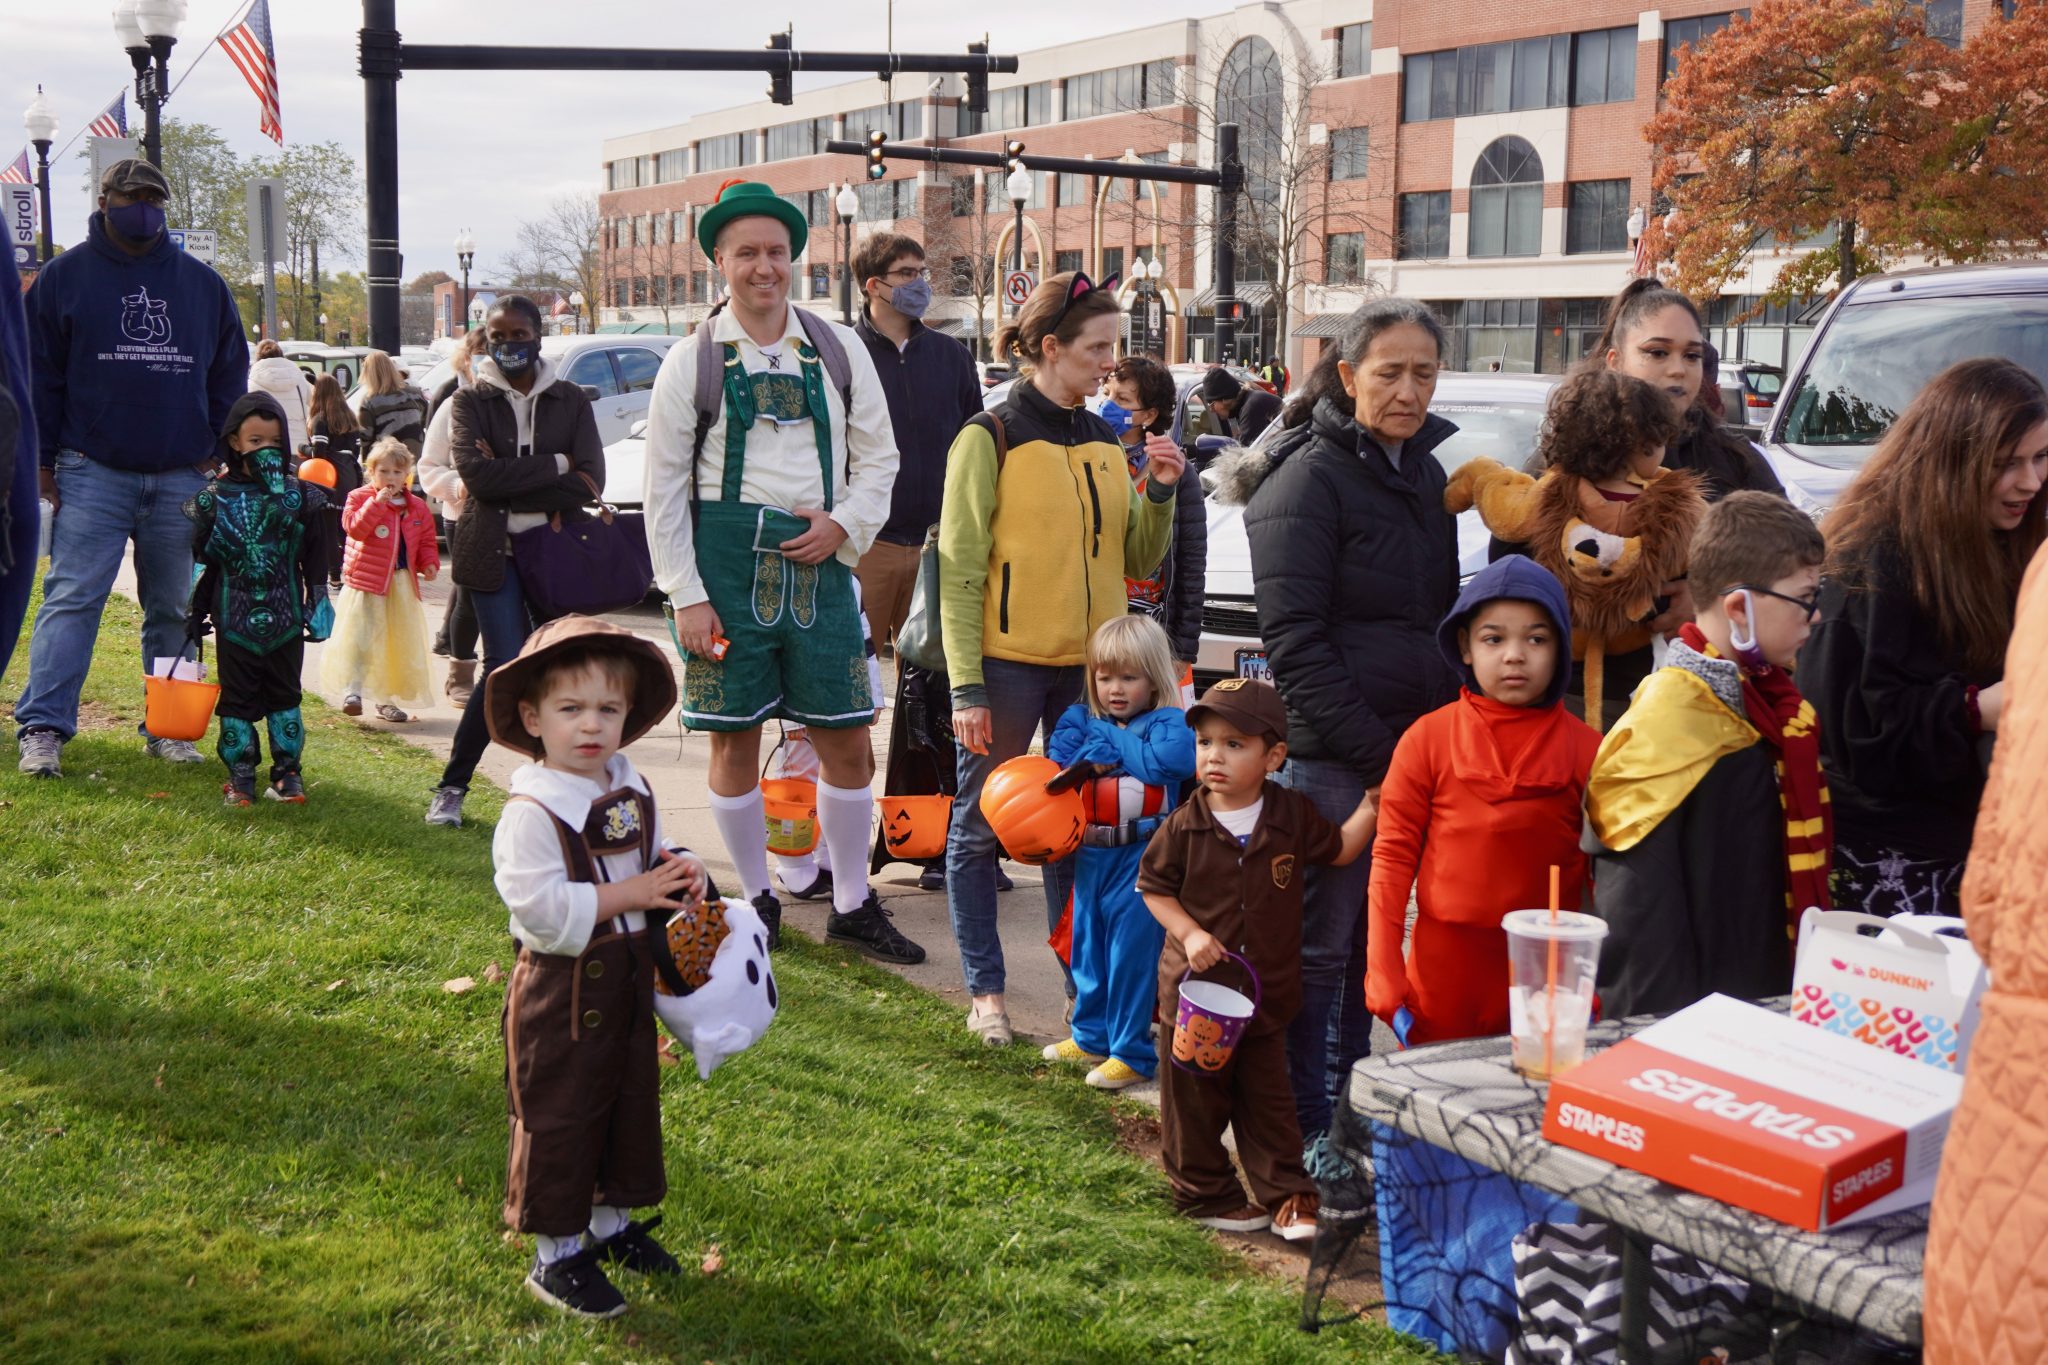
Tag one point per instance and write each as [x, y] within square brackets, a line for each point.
[1252, 663]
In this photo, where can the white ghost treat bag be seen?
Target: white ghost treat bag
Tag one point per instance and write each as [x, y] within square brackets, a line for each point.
[734, 1007]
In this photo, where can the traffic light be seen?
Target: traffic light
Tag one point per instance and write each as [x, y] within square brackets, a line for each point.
[778, 81]
[977, 81]
[1014, 150]
[877, 162]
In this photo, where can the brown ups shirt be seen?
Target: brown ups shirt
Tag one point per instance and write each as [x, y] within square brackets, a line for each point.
[1249, 897]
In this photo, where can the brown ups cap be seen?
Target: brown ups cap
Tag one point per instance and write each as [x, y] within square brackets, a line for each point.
[1250, 704]
[131, 175]
[654, 688]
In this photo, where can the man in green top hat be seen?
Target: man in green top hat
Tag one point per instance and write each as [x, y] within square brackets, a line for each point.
[770, 461]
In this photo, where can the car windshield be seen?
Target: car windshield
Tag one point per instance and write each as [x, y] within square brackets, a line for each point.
[1873, 358]
[1500, 431]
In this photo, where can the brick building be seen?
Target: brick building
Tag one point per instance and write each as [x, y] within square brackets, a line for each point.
[1483, 157]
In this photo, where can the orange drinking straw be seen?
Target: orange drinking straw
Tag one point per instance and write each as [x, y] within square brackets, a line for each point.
[1550, 984]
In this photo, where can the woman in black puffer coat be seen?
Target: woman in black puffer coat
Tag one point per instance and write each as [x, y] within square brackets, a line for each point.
[1354, 564]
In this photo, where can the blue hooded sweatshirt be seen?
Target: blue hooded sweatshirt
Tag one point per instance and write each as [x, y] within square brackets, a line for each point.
[136, 359]
[1524, 580]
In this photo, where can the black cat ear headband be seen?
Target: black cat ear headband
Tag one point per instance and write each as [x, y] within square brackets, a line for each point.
[1080, 287]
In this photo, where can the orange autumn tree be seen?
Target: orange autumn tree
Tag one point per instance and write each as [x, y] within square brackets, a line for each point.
[1988, 197]
[1807, 116]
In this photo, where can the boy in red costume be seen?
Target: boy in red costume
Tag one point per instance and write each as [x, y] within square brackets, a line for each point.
[1482, 799]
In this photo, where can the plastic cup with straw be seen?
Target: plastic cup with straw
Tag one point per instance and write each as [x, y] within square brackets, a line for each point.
[1553, 961]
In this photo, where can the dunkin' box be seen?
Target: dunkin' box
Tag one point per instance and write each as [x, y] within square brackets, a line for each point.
[1747, 1106]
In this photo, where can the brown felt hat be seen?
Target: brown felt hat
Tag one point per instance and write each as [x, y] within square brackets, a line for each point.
[654, 687]
[131, 175]
[1252, 705]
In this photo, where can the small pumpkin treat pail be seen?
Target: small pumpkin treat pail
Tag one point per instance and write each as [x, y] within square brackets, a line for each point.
[1210, 1020]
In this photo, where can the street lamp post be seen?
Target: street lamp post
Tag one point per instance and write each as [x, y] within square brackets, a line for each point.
[1155, 332]
[576, 309]
[321, 335]
[848, 203]
[465, 251]
[148, 31]
[41, 122]
[1019, 186]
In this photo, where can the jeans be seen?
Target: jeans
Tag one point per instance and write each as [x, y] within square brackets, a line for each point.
[100, 510]
[1334, 1028]
[1021, 697]
[505, 621]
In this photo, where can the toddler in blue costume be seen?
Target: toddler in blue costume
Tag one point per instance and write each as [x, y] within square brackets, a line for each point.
[1138, 749]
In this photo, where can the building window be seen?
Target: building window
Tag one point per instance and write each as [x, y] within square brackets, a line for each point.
[1425, 226]
[960, 277]
[679, 228]
[1491, 78]
[1354, 50]
[673, 164]
[1073, 190]
[1344, 259]
[1606, 65]
[1598, 217]
[618, 293]
[625, 175]
[1507, 201]
[884, 201]
[1018, 106]
[1347, 153]
[903, 121]
[1148, 85]
[1945, 20]
[821, 281]
[1680, 34]
[1112, 262]
[1499, 332]
[805, 137]
[724, 153]
[1064, 261]
[998, 192]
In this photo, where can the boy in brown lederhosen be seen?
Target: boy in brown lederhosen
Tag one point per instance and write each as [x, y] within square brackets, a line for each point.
[1223, 875]
[579, 859]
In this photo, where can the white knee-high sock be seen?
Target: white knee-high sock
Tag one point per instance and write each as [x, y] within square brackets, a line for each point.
[607, 1222]
[742, 823]
[846, 819]
[552, 1249]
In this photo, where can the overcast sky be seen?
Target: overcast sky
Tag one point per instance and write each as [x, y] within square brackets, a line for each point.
[481, 151]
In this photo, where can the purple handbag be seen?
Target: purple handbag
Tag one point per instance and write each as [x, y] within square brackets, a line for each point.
[585, 567]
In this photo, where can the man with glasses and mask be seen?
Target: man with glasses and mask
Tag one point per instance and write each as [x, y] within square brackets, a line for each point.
[933, 391]
[136, 352]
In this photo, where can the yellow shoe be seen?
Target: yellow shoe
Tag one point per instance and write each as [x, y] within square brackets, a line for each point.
[1067, 1050]
[1114, 1075]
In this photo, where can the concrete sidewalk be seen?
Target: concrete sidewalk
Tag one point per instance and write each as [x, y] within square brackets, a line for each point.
[675, 761]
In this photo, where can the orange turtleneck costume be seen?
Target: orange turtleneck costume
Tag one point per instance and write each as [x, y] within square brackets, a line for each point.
[1481, 800]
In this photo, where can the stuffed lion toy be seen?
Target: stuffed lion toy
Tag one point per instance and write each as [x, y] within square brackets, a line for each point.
[1614, 558]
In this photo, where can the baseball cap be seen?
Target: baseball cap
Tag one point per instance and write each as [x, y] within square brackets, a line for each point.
[1252, 705]
[132, 174]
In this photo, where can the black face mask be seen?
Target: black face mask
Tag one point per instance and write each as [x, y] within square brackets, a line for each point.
[515, 357]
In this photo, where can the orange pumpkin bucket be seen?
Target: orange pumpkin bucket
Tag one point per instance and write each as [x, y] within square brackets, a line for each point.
[177, 708]
[1035, 826]
[791, 807]
[1211, 1018]
[914, 827]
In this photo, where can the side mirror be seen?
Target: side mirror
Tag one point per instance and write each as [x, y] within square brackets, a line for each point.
[638, 429]
[590, 392]
[1207, 446]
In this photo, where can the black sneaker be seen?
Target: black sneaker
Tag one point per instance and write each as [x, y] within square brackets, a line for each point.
[770, 911]
[933, 878]
[576, 1284]
[821, 889]
[632, 1248]
[240, 788]
[1003, 882]
[868, 929]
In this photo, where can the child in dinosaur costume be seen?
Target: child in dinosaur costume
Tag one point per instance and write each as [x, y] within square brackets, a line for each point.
[259, 544]
[1606, 517]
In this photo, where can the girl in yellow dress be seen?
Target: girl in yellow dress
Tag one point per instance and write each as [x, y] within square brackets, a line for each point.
[379, 643]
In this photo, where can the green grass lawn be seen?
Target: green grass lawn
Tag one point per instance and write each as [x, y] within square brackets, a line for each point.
[240, 1118]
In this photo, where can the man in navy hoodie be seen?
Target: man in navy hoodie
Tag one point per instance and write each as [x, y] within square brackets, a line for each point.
[136, 354]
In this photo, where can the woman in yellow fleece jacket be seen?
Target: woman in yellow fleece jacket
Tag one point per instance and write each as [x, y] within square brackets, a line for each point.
[1040, 526]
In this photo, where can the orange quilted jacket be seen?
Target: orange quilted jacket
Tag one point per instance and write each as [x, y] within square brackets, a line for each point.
[1987, 1250]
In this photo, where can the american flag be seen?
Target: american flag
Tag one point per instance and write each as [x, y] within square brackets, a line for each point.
[248, 47]
[1644, 265]
[112, 120]
[17, 170]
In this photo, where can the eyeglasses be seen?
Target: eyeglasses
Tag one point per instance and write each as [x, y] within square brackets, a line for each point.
[1809, 606]
[905, 274]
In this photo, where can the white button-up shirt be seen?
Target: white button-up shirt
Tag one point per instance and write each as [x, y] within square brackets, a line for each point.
[550, 913]
[782, 469]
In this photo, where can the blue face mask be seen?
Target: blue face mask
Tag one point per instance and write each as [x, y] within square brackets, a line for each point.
[1116, 414]
[513, 357]
[137, 222]
[911, 299]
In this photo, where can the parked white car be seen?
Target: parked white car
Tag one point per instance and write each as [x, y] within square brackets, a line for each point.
[1497, 415]
[618, 370]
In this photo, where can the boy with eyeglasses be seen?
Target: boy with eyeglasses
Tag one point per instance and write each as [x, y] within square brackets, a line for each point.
[1706, 813]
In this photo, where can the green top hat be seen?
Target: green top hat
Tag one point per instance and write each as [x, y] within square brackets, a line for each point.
[741, 198]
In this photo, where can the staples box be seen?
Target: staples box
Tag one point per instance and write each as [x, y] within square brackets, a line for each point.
[1745, 1105]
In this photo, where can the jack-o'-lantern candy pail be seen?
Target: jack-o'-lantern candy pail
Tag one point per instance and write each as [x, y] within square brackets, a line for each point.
[1034, 826]
[1210, 1020]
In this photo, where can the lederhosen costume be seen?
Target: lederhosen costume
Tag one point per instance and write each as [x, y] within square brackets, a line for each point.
[796, 650]
[581, 1075]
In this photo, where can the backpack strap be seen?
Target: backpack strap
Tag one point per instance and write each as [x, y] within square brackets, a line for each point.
[994, 425]
[825, 340]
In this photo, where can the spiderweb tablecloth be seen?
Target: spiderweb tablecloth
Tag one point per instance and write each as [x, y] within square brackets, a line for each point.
[1466, 1098]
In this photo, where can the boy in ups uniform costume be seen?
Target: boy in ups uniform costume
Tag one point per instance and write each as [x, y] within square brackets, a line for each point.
[580, 863]
[1224, 872]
